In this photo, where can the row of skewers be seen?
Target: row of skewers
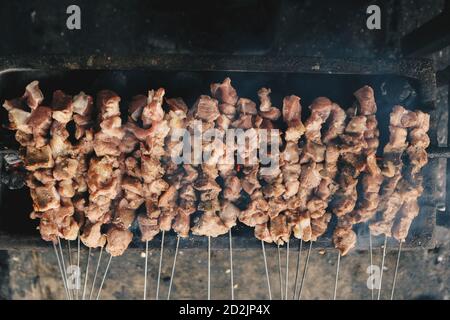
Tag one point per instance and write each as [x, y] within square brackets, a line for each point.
[91, 176]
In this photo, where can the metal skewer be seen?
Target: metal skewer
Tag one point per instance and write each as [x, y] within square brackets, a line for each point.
[287, 271]
[160, 265]
[64, 268]
[96, 272]
[305, 270]
[371, 260]
[78, 266]
[209, 268]
[69, 254]
[382, 266]
[279, 272]
[231, 265]
[145, 270]
[87, 273]
[299, 255]
[173, 267]
[104, 277]
[61, 271]
[267, 269]
[337, 275]
[396, 270]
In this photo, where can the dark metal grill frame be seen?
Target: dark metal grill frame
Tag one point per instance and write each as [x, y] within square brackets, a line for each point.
[419, 70]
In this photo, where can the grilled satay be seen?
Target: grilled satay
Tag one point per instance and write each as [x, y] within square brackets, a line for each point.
[203, 115]
[353, 163]
[418, 142]
[152, 170]
[390, 199]
[104, 175]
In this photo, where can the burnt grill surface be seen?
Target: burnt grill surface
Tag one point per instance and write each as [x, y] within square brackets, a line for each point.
[18, 231]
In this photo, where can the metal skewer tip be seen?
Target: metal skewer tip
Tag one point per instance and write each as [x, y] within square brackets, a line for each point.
[267, 269]
[396, 269]
[64, 268]
[173, 268]
[209, 268]
[61, 271]
[279, 271]
[96, 272]
[87, 273]
[231, 265]
[104, 277]
[371, 261]
[382, 267]
[145, 270]
[305, 270]
[337, 275]
[299, 255]
[160, 265]
[287, 271]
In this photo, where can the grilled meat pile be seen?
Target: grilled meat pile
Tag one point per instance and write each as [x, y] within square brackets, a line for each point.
[94, 175]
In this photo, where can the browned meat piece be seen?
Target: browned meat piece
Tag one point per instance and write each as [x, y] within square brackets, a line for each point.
[118, 240]
[409, 210]
[273, 114]
[319, 226]
[232, 188]
[149, 227]
[59, 142]
[224, 92]
[344, 239]
[209, 224]
[263, 95]
[47, 226]
[66, 188]
[45, 198]
[62, 107]
[228, 214]
[33, 95]
[335, 124]
[262, 233]
[181, 224]
[169, 198]
[38, 158]
[206, 109]
[312, 152]
[124, 215]
[65, 168]
[279, 229]
[39, 122]
[256, 213]
[92, 236]
[291, 109]
[302, 226]
[366, 101]
[246, 107]
[18, 118]
[357, 124]
[136, 107]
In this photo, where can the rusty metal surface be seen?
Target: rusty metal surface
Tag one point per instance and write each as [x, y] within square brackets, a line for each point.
[58, 70]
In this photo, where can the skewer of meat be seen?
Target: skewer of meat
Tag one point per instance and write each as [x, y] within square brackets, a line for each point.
[50, 167]
[272, 179]
[187, 197]
[256, 214]
[104, 179]
[397, 220]
[319, 159]
[359, 157]
[227, 97]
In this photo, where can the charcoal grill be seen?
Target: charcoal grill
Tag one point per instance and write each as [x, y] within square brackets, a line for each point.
[189, 76]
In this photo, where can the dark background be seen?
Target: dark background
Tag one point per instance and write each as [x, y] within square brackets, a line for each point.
[330, 29]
